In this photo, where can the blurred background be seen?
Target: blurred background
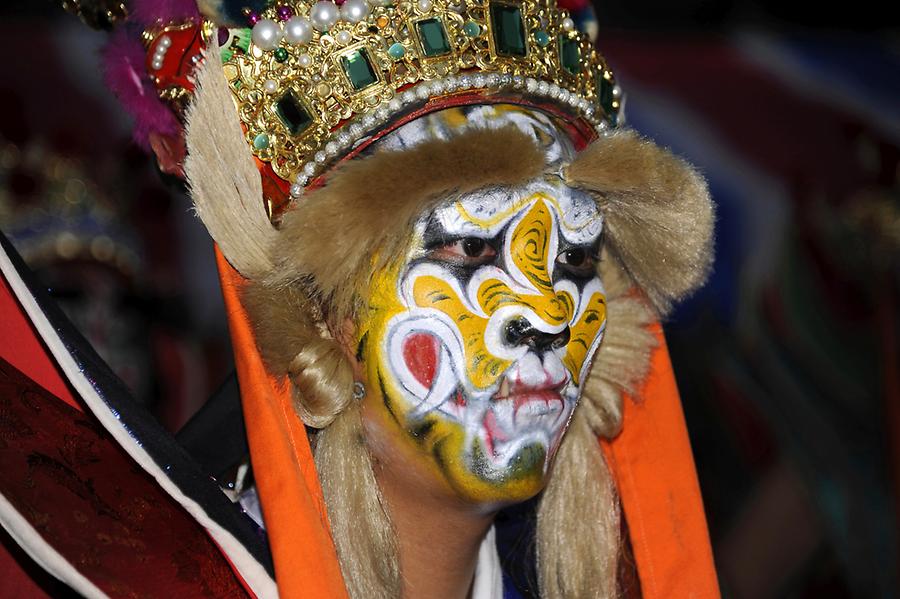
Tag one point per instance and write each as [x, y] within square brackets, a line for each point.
[788, 360]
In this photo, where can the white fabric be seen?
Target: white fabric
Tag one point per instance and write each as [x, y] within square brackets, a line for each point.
[488, 583]
[42, 552]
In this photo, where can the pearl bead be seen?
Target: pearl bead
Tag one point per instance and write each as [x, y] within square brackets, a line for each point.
[266, 34]
[568, 24]
[304, 60]
[395, 104]
[309, 169]
[296, 190]
[298, 30]
[324, 15]
[320, 157]
[157, 65]
[424, 5]
[165, 41]
[331, 148]
[271, 86]
[354, 11]
[343, 37]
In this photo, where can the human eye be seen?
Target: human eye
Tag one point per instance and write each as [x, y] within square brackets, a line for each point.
[578, 261]
[466, 251]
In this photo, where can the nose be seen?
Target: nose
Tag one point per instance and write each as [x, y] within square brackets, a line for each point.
[520, 332]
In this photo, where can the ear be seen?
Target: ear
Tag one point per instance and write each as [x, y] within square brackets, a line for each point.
[347, 339]
[170, 151]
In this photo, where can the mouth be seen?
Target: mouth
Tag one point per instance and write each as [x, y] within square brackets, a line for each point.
[521, 414]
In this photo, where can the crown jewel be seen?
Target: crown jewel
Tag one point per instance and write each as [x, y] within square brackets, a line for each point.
[311, 80]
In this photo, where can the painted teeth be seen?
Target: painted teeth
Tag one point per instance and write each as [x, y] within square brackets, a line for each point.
[504, 412]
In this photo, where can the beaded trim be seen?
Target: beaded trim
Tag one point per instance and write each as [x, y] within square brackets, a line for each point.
[363, 126]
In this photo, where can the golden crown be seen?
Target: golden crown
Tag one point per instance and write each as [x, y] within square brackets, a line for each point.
[311, 81]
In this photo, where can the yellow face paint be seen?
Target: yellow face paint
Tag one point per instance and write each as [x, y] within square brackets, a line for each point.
[475, 345]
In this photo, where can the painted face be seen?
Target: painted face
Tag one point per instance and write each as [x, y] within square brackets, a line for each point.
[477, 343]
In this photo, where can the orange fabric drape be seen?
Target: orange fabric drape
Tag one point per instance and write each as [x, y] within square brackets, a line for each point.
[651, 460]
[305, 560]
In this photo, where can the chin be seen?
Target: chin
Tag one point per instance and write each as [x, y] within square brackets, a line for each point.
[490, 479]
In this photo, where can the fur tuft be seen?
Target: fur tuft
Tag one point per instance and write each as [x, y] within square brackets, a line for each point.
[578, 521]
[659, 216]
[288, 332]
[362, 219]
[219, 168]
[623, 359]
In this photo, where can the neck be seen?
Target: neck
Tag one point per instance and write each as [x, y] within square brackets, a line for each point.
[438, 538]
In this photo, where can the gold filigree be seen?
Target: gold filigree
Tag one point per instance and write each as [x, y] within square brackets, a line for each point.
[314, 77]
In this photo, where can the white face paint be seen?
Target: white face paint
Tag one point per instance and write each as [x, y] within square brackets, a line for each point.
[480, 340]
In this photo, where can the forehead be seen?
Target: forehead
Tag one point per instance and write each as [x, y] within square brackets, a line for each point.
[486, 213]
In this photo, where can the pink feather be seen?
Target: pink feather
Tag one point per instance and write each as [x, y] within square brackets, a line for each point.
[148, 12]
[125, 72]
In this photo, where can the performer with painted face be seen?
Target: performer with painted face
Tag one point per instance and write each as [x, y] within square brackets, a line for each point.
[444, 260]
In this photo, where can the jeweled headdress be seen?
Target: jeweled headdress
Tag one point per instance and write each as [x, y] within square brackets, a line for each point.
[313, 81]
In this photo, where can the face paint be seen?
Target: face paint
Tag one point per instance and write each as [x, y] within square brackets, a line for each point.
[476, 345]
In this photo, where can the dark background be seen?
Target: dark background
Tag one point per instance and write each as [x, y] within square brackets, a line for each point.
[787, 361]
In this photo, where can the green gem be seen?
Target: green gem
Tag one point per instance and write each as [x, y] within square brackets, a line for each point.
[281, 54]
[472, 29]
[605, 94]
[358, 69]
[509, 33]
[396, 50]
[570, 55]
[292, 113]
[261, 141]
[434, 38]
[542, 38]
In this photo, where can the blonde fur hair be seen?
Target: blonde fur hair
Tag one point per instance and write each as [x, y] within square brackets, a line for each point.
[311, 275]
